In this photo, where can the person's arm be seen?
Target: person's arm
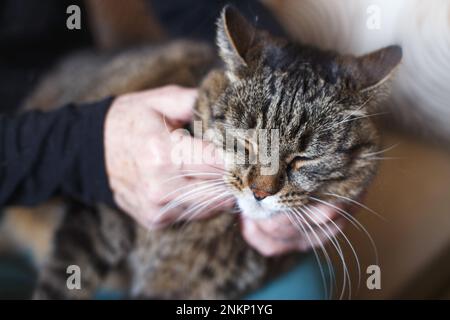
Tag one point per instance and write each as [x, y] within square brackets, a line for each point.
[117, 152]
[54, 153]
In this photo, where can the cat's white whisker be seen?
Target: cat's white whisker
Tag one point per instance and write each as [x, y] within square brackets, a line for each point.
[346, 215]
[197, 174]
[346, 275]
[357, 110]
[383, 150]
[299, 216]
[346, 239]
[198, 114]
[358, 204]
[197, 192]
[297, 223]
[354, 222]
[206, 186]
[225, 172]
[190, 186]
[193, 216]
[381, 158]
[361, 117]
[201, 205]
[338, 250]
[319, 242]
[199, 210]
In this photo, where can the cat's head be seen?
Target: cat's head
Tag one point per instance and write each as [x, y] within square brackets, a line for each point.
[318, 103]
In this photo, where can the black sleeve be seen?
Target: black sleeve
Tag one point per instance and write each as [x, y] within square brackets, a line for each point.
[44, 154]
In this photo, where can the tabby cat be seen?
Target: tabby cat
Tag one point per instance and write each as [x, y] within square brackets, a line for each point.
[318, 101]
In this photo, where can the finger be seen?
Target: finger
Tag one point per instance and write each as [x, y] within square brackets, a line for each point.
[207, 210]
[320, 213]
[192, 198]
[279, 227]
[199, 201]
[210, 207]
[187, 212]
[174, 102]
[265, 245]
[190, 186]
[318, 236]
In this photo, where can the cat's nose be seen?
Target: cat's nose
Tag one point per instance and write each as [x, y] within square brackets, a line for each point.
[260, 194]
[263, 186]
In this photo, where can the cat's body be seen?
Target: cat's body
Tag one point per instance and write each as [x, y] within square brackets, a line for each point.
[200, 260]
[266, 83]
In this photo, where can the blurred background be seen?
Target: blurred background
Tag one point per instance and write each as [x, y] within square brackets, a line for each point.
[411, 191]
[412, 188]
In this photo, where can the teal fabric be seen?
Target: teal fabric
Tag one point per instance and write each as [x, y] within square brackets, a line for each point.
[303, 282]
[17, 277]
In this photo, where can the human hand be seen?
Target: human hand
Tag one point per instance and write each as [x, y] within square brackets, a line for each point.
[139, 160]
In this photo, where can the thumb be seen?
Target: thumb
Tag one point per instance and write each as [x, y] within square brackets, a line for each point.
[174, 102]
[196, 154]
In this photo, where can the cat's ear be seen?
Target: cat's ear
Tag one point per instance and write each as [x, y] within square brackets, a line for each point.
[370, 71]
[235, 36]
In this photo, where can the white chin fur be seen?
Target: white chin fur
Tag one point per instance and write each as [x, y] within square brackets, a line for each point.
[251, 208]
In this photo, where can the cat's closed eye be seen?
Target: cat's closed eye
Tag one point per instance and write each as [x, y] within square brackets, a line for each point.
[298, 161]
